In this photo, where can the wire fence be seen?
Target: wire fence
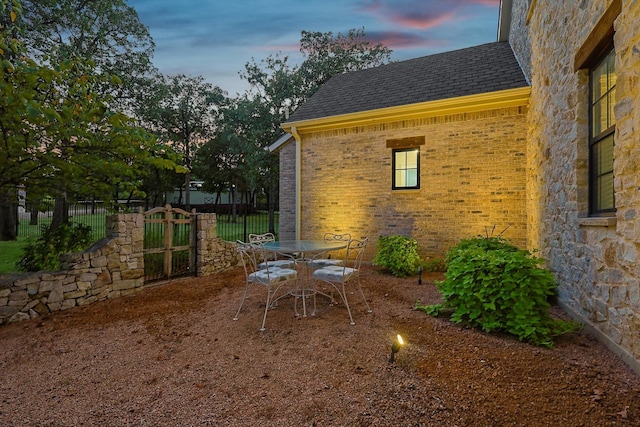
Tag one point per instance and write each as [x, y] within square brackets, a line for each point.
[35, 218]
[234, 223]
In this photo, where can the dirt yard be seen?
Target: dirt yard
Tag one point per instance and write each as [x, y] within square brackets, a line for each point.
[172, 356]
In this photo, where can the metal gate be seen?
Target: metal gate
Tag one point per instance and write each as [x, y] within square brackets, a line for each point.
[169, 243]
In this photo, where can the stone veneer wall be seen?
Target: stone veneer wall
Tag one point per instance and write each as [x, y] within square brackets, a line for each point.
[213, 254]
[595, 260]
[110, 268]
[472, 169]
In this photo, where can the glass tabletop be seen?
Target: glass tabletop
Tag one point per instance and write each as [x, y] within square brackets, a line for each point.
[291, 246]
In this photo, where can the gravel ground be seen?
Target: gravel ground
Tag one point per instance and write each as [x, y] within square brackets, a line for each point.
[172, 356]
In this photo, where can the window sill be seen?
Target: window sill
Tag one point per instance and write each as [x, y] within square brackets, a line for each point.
[603, 221]
[405, 190]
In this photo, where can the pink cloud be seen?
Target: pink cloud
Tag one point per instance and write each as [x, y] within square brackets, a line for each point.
[422, 21]
[420, 14]
[398, 40]
[489, 3]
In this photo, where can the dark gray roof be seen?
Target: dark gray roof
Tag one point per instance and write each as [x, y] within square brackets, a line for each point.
[480, 69]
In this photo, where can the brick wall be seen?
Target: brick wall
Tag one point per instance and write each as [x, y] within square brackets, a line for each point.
[472, 179]
[287, 222]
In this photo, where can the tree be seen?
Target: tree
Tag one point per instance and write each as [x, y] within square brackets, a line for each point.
[235, 157]
[327, 56]
[108, 32]
[284, 88]
[57, 131]
[252, 122]
[182, 113]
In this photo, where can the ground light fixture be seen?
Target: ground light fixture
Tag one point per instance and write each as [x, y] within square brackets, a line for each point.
[395, 347]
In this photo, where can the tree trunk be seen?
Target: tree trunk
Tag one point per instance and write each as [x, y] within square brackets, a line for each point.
[60, 212]
[35, 211]
[8, 215]
[187, 192]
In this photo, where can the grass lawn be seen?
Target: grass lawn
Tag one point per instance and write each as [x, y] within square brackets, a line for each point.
[11, 253]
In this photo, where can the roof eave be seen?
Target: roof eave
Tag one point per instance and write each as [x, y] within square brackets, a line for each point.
[463, 104]
[275, 146]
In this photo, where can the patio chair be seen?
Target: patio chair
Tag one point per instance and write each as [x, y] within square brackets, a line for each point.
[273, 278]
[286, 262]
[322, 260]
[339, 276]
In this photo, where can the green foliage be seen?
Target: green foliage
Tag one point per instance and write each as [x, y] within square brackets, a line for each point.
[398, 255]
[436, 264]
[108, 32]
[44, 253]
[493, 285]
[11, 252]
[60, 134]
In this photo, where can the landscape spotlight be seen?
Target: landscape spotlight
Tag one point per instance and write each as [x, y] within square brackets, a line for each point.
[397, 344]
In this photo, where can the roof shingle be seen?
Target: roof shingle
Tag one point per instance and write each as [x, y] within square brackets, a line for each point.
[475, 70]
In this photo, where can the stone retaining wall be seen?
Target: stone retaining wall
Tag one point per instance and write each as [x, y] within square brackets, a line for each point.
[110, 268]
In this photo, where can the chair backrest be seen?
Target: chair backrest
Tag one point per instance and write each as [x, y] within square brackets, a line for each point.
[335, 237]
[247, 252]
[345, 237]
[355, 252]
[261, 238]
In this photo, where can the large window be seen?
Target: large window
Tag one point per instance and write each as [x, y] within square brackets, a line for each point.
[406, 168]
[602, 82]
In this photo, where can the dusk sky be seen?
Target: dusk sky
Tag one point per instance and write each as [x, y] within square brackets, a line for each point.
[216, 38]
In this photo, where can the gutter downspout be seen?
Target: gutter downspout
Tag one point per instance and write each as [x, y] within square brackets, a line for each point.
[298, 192]
[504, 20]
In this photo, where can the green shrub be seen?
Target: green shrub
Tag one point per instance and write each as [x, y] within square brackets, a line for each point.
[493, 285]
[44, 252]
[398, 255]
[432, 265]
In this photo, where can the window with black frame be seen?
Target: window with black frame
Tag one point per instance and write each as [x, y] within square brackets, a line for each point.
[602, 82]
[406, 168]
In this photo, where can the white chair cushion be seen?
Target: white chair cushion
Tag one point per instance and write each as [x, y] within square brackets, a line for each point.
[280, 263]
[273, 275]
[325, 262]
[334, 273]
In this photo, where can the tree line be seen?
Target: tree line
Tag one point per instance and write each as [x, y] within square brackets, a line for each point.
[84, 113]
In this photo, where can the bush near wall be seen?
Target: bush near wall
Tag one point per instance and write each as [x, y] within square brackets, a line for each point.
[493, 285]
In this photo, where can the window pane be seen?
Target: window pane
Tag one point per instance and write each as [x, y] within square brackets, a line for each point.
[605, 156]
[605, 192]
[599, 122]
[611, 100]
[599, 81]
[412, 159]
[412, 177]
[611, 59]
[401, 160]
[400, 181]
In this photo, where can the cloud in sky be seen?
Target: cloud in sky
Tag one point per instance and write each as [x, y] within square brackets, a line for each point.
[216, 39]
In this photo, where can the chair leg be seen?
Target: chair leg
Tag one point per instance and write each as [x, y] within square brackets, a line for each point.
[244, 297]
[362, 295]
[266, 310]
[343, 294]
